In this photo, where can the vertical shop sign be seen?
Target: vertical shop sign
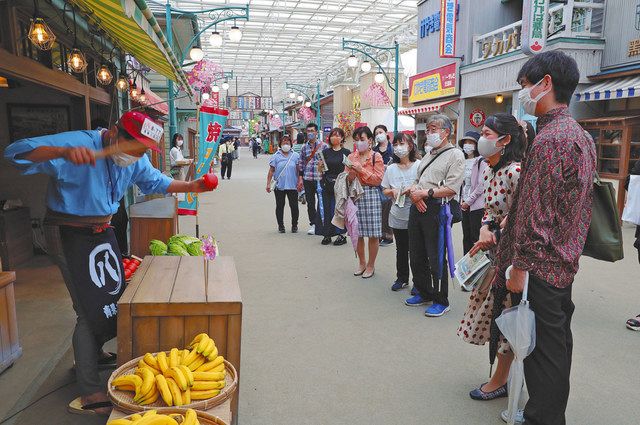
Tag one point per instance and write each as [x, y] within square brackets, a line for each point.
[448, 28]
[212, 122]
[535, 22]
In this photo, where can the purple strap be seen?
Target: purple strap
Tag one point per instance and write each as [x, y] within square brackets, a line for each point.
[449, 240]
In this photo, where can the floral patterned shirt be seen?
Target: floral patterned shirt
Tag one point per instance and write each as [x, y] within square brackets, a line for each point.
[499, 190]
[548, 222]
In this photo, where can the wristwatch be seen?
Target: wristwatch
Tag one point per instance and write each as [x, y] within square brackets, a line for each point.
[430, 193]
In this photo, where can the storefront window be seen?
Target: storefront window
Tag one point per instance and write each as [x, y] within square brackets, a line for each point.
[608, 148]
[634, 152]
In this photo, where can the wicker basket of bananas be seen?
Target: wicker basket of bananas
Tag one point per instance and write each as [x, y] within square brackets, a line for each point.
[196, 378]
[169, 416]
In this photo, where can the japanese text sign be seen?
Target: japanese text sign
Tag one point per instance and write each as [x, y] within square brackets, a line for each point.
[439, 82]
[448, 28]
[535, 19]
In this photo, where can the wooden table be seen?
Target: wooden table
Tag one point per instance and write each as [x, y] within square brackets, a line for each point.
[9, 345]
[168, 302]
[154, 219]
[222, 411]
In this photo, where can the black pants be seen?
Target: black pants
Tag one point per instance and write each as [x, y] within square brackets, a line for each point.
[548, 367]
[387, 231]
[402, 254]
[310, 190]
[292, 196]
[255, 151]
[329, 206]
[226, 167]
[423, 251]
[471, 224]
[120, 223]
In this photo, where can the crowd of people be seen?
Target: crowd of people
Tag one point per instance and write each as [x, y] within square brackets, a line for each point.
[524, 200]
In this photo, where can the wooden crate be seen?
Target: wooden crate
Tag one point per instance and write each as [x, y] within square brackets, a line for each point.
[168, 302]
[155, 219]
[16, 240]
[9, 345]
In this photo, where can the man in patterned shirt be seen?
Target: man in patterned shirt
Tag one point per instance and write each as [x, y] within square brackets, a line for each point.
[547, 228]
[309, 175]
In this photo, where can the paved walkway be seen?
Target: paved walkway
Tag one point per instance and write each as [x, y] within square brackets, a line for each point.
[322, 346]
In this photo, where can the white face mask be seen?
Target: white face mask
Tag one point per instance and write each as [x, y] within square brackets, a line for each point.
[286, 148]
[401, 151]
[434, 140]
[123, 160]
[381, 138]
[179, 142]
[487, 147]
[362, 146]
[528, 103]
[468, 148]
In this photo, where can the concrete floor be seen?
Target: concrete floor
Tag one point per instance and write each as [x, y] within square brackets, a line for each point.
[322, 346]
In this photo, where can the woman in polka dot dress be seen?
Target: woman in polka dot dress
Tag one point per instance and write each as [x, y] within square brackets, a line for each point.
[503, 144]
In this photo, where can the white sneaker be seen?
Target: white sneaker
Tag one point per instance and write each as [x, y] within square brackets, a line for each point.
[519, 416]
[312, 230]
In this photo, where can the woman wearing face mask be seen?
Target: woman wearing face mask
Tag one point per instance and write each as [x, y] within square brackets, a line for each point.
[176, 159]
[472, 198]
[283, 170]
[368, 168]
[397, 177]
[333, 157]
[502, 144]
[384, 148]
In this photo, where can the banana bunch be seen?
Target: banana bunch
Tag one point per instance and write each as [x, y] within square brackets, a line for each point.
[152, 417]
[196, 373]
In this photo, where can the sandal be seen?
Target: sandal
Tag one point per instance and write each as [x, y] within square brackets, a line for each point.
[359, 273]
[634, 324]
[369, 276]
[77, 408]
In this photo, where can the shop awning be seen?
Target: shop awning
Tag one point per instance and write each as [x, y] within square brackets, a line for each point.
[615, 88]
[156, 102]
[132, 26]
[429, 107]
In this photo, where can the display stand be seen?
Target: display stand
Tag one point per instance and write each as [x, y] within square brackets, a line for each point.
[222, 411]
[154, 219]
[10, 348]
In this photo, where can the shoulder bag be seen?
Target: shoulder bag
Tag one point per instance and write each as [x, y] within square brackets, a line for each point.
[275, 181]
[454, 205]
[604, 239]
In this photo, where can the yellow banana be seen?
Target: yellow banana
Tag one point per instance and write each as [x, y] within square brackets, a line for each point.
[209, 376]
[213, 354]
[209, 348]
[186, 397]
[150, 413]
[148, 383]
[163, 364]
[178, 377]
[203, 395]
[152, 397]
[176, 394]
[163, 388]
[218, 368]
[135, 417]
[188, 373]
[189, 358]
[142, 364]
[190, 418]
[120, 422]
[196, 340]
[197, 363]
[128, 380]
[151, 361]
[174, 357]
[183, 354]
[211, 364]
[203, 344]
[208, 385]
[157, 420]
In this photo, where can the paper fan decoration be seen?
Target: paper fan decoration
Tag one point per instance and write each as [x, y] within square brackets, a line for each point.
[306, 114]
[376, 95]
[203, 74]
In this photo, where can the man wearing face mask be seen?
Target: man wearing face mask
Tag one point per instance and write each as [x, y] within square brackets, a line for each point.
[83, 193]
[440, 176]
[547, 227]
[310, 174]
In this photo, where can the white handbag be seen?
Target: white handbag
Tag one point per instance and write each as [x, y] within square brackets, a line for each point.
[631, 211]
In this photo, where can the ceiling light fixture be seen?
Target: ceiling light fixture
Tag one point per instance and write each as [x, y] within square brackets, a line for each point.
[366, 66]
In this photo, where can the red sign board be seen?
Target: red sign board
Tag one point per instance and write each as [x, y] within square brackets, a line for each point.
[434, 84]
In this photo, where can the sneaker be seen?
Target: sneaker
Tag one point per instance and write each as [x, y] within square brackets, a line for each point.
[312, 230]
[436, 310]
[415, 301]
[634, 324]
[386, 242]
[326, 240]
[519, 416]
[340, 240]
[397, 285]
[294, 229]
[478, 394]
[414, 291]
[281, 229]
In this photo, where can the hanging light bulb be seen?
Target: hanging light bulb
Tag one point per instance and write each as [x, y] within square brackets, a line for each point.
[235, 35]
[196, 54]
[77, 62]
[225, 85]
[134, 91]
[379, 78]
[292, 95]
[352, 61]
[143, 96]
[40, 34]
[307, 104]
[216, 39]
[366, 66]
[205, 96]
[104, 75]
[122, 84]
[215, 88]
[300, 98]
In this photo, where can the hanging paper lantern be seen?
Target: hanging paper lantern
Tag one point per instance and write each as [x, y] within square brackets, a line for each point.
[376, 95]
[306, 114]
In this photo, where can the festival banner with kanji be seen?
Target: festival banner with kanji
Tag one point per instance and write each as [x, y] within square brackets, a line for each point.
[212, 122]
